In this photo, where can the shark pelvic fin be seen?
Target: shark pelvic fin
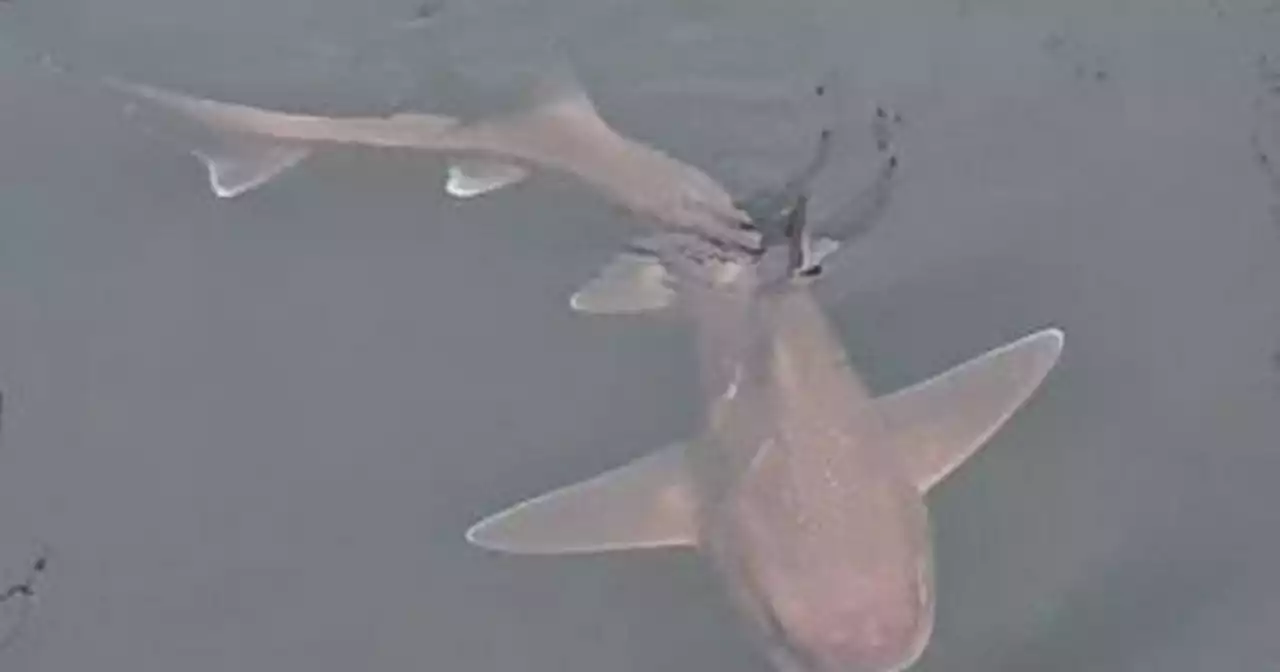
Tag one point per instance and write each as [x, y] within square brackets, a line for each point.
[644, 504]
[630, 283]
[938, 424]
[471, 178]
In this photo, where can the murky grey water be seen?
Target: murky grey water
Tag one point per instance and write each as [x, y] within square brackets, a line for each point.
[252, 432]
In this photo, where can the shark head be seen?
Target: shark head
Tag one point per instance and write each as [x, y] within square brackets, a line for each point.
[882, 624]
[650, 271]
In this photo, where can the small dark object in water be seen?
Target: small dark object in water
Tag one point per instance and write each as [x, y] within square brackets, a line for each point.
[794, 230]
[22, 589]
[880, 128]
[426, 10]
[27, 588]
[24, 593]
[882, 113]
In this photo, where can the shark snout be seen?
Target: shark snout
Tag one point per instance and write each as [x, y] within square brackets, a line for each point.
[863, 638]
[871, 643]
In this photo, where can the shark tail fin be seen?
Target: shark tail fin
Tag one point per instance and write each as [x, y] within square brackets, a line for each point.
[243, 147]
[645, 504]
[221, 135]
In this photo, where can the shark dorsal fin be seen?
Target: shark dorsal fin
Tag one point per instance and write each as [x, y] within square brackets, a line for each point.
[645, 504]
[938, 424]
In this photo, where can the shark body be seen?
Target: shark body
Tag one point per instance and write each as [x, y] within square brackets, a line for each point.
[243, 147]
[804, 490]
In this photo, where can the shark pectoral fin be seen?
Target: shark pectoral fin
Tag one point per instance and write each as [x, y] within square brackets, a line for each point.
[937, 424]
[630, 283]
[468, 179]
[645, 504]
[237, 165]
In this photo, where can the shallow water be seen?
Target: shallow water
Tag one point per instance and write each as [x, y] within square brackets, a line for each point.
[252, 432]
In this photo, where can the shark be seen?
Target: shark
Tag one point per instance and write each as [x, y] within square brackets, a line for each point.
[804, 491]
[243, 147]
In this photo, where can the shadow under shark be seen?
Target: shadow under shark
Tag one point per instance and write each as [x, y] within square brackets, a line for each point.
[805, 492]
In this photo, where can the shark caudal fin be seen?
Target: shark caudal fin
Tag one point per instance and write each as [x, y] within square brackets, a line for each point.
[645, 504]
[221, 135]
[938, 424]
[244, 147]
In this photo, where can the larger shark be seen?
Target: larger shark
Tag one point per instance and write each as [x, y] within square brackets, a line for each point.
[804, 490]
[244, 147]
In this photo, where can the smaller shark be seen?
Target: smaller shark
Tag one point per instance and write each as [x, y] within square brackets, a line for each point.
[804, 490]
[561, 130]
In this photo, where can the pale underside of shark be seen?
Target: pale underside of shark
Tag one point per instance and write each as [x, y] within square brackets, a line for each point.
[244, 147]
[804, 490]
